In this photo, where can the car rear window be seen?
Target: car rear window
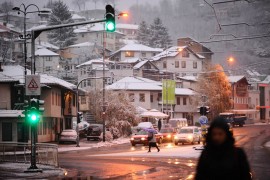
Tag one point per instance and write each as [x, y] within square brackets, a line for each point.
[142, 132]
[185, 131]
[166, 130]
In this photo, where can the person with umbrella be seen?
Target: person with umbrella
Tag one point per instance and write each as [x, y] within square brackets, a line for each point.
[152, 142]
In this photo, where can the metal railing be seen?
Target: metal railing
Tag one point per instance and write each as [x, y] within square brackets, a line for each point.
[46, 154]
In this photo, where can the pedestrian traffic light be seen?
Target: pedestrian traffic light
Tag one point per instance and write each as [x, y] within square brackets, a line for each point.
[110, 19]
[204, 110]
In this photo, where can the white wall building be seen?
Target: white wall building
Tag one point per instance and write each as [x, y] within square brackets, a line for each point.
[180, 60]
[130, 30]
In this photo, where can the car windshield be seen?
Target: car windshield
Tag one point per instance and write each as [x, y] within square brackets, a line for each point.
[166, 131]
[142, 133]
[185, 131]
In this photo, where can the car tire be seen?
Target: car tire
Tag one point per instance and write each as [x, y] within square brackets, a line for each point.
[133, 144]
[176, 143]
[183, 143]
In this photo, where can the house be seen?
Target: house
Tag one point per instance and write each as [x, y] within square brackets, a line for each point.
[130, 51]
[189, 82]
[60, 106]
[47, 62]
[93, 69]
[197, 48]
[264, 108]
[147, 94]
[180, 60]
[129, 30]
[94, 33]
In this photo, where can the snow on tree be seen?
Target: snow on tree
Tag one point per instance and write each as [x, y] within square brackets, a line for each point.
[5, 8]
[215, 86]
[120, 113]
[60, 15]
[143, 34]
[159, 36]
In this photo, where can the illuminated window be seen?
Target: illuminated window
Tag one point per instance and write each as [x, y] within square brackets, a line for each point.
[129, 54]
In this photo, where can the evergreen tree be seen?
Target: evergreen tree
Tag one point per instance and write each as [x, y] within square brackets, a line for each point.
[60, 15]
[143, 34]
[159, 36]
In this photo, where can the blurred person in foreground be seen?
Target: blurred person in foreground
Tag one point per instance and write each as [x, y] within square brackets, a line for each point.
[221, 160]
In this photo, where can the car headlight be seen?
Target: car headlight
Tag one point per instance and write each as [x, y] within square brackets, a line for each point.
[175, 137]
[131, 139]
[169, 136]
[142, 139]
[190, 137]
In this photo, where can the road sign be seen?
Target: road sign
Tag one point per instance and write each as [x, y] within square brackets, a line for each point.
[32, 85]
[203, 120]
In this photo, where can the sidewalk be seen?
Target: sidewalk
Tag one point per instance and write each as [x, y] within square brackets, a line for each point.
[84, 146]
[16, 171]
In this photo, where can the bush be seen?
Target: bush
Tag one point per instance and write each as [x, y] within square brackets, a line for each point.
[108, 136]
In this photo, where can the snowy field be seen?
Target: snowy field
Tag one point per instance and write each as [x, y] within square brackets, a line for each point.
[167, 151]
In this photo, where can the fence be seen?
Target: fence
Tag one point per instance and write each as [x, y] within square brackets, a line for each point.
[21, 152]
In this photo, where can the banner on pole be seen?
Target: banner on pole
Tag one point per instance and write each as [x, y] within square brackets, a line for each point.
[168, 91]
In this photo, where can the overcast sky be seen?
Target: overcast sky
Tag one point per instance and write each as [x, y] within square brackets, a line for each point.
[120, 4]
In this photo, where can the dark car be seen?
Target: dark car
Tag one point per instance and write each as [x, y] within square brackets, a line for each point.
[94, 131]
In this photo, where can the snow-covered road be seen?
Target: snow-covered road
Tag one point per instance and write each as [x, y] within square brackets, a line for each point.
[166, 151]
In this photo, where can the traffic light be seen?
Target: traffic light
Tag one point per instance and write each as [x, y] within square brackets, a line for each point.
[204, 110]
[34, 111]
[79, 117]
[110, 19]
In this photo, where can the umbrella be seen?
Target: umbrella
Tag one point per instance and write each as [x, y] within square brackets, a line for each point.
[150, 130]
[154, 113]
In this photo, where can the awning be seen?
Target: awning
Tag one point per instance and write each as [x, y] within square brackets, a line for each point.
[154, 113]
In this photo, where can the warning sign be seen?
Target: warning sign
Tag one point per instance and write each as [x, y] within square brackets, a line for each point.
[32, 85]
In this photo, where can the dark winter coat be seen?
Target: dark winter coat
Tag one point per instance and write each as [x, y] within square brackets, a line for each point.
[223, 162]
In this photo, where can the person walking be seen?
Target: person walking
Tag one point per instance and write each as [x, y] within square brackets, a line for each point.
[220, 159]
[152, 142]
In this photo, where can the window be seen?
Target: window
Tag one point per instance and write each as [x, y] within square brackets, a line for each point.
[176, 64]
[82, 35]
[84, 83]
[143, 54]
[153, 54]
[185, 54]
[129, 54]
[178, 101]
[131, 97]
[6, 131]
[184, 101]
[142, 97]
[48, 68]
[195, 74]
[151, 98]
[88, 82]
[48, 58]
[195, 65]
[83, 100]
[183, 64]
[164, 64]
[56, 99]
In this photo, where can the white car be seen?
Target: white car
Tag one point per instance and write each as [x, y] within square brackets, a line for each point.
[68, 135]
[188, 134]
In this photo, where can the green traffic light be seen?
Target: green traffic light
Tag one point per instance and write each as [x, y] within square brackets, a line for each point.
[110, 26]
[33, 117]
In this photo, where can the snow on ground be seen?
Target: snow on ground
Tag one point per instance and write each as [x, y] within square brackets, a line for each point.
[167, 151]
[84, 146]
[16, 171]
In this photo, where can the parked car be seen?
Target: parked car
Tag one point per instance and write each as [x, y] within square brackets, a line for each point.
[234, 119]
[167, 134]
[94, 131]
[141, 138]
[68, 135]
[189, 134]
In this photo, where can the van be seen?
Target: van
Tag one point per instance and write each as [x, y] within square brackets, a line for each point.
[178, 123]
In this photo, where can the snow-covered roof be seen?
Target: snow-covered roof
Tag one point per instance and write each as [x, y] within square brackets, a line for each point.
[131, 60]
[84, 44]
[266, 80]
[135, 83]
[37, 27]
[128, 41]
[5, 78]
[90, 62]
[138, 47]
[11, 113]
[174, 51]
[127, 26]
[42, 44]
[189, 78]
[45, 52]
[77, 17]
[183, 91]
[17, 73]
[234, 79]
[140, 64]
